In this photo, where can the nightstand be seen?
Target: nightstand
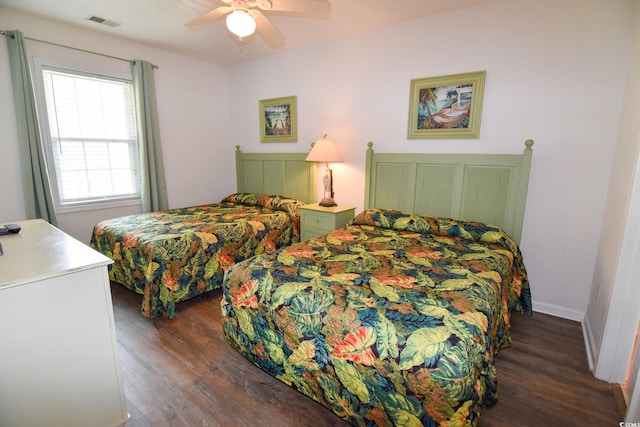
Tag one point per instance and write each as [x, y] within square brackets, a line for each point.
[316, 220]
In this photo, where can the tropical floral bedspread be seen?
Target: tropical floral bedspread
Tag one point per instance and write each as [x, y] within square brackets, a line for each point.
[395, 319]
[171, 256]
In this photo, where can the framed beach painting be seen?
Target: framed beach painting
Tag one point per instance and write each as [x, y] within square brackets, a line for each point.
[278, 120]
[446, 106]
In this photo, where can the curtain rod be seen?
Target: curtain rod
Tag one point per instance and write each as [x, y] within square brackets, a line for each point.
[7, 33]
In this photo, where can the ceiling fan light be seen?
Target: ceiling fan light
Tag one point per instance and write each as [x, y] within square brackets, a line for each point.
[240, 23]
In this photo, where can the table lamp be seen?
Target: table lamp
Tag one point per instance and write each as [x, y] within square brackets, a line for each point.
[325, 150]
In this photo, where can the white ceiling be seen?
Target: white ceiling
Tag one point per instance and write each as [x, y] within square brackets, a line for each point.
[160, 23]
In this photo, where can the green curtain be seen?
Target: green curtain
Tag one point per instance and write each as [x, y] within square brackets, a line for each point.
[37, 193]
[153, 182]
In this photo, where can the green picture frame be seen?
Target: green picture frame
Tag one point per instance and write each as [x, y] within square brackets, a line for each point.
[446, 106]
[278, 119]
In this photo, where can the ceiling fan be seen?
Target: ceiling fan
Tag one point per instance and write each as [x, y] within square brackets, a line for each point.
[246, 16]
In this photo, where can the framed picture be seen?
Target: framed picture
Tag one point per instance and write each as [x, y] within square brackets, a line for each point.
[278, 120]
[446, 106]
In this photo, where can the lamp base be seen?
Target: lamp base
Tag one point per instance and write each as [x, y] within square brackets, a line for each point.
[327, 202]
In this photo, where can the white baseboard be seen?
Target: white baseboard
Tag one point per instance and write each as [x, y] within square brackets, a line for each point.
[578, 316]
[589, 343]
[556, 310]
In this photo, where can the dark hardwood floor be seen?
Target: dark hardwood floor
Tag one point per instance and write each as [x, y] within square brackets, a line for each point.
[181, 372]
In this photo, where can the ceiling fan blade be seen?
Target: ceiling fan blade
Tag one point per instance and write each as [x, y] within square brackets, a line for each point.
[267, 30]
[311, 8]
[210, 16]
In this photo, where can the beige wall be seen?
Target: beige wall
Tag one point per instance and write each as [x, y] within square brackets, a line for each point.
[193, 100]
[614, 302]
[556, 72]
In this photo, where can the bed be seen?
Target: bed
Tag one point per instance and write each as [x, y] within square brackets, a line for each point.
[174, 255]
[395, 319]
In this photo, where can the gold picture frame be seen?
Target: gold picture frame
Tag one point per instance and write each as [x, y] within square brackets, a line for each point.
[278, 119]
[446, 106]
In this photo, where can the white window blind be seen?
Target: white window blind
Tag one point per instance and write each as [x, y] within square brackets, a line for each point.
[93, 138]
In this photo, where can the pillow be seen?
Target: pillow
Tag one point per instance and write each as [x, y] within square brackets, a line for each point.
[396, 220]
[438, 226]
[277, 203]
[249, 199]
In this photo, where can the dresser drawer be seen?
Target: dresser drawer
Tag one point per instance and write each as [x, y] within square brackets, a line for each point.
[318, 220]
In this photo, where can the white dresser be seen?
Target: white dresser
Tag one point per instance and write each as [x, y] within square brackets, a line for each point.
[59, 363]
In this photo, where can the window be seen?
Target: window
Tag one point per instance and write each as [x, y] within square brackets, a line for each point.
[90, 127]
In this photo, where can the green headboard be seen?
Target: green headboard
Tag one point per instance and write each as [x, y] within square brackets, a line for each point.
[490, 188]
[284, 174]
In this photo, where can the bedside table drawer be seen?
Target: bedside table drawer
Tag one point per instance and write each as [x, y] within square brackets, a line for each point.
[318, 220]
[309, 233]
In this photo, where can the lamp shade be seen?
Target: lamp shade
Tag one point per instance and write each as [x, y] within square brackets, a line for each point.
[324, 150]
[240, 23]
